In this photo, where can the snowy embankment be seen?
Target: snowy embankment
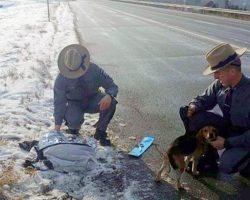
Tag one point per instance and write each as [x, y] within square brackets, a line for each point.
[28, 66]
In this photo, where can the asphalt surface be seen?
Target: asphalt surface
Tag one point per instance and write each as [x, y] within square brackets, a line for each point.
[156, 56]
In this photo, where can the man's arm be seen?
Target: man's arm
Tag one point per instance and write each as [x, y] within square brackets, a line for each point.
[238, 141]
[111, 89]
[206, 101]
[107, 83]
[242, 141]
[60, 101]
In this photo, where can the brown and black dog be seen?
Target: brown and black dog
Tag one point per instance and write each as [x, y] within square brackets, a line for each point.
[186, 148]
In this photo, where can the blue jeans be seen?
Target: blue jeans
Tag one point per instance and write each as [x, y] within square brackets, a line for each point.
[74, 115]
[234, 160]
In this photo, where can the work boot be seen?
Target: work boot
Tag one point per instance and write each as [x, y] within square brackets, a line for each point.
[102, 137]
[73, 131]
[246, 171]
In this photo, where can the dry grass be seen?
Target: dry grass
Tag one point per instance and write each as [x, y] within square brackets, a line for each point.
[8, 177]
[31, 171]
[25, 99]
[12, 74]
[3, 142]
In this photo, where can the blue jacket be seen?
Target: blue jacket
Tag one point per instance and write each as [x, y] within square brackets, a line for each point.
[240, 108]
[80, 89]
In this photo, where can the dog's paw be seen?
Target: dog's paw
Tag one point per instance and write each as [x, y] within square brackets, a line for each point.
[179, 187]
[196, 173]
[157, 179]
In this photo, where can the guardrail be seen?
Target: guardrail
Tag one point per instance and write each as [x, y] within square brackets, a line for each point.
[243, 15]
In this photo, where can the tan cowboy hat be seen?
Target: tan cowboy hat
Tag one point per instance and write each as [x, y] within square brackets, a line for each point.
[221, 56]
[73, 61]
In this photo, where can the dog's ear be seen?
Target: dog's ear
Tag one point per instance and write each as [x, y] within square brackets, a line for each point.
[190, 133]
[216, 130]
[199, 134]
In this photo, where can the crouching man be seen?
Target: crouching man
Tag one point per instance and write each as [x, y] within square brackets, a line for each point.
[76, 91]
[231, 92]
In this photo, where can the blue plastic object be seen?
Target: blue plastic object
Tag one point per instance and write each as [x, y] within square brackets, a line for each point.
[141, 147]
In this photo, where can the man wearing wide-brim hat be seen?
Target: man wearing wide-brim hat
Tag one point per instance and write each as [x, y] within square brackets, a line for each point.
[231, 92]
[76, 91]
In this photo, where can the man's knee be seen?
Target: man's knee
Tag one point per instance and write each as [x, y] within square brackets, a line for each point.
[231, 160]
[111, 109]
[109, 113]
[226, 167]
[74, 117]
[113, 104]
[74, 122]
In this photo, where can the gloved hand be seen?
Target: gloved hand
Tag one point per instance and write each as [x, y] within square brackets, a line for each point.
[191, 110]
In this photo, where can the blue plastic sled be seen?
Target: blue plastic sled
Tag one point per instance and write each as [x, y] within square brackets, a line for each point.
[141, 147]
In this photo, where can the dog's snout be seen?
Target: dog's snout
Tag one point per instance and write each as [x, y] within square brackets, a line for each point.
[211, 136]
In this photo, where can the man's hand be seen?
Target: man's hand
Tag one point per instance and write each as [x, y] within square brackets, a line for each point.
[105, 102]
[57, 128]
[218, 143]
[191, 110]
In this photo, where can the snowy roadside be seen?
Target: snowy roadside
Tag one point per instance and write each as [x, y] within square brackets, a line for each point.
[28, 65]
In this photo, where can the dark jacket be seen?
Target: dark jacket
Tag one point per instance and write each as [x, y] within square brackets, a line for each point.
[240, 108]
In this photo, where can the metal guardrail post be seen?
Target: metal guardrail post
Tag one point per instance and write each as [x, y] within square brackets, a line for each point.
[48, 10]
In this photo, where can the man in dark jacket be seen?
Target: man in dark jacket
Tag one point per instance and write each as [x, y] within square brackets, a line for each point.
[231, 92]
[77, 91]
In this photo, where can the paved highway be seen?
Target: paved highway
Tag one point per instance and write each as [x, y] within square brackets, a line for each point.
[156, 56]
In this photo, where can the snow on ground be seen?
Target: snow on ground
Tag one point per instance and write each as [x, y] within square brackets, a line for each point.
[28, 66]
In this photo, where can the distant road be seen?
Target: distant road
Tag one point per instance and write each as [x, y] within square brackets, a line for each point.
[156, 56]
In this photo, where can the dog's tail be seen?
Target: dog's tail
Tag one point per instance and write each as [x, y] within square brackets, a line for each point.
[165, 156]
[166, 162]
[157, 148]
